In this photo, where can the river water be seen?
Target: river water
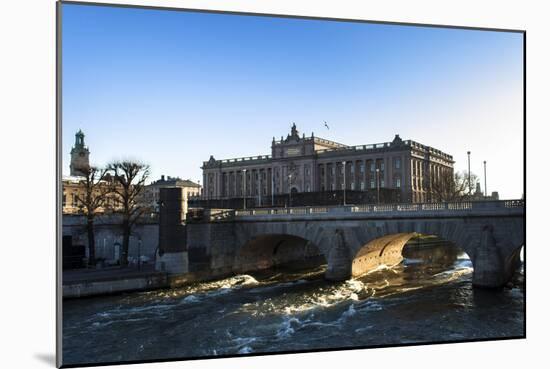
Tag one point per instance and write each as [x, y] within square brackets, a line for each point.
[427, 298]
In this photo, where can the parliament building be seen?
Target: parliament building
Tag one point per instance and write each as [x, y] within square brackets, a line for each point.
[300, 164]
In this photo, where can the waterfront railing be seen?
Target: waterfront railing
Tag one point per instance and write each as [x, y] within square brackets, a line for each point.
[385, 208]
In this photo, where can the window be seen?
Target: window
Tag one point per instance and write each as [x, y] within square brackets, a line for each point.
[372, 185]
[342, 185]
[64, 199]
[382, 183]
[398, 163]
[382, 166]
[352, 186]
[362, 186]
[398, 183]
[372, 167]
[333, 169]
[352, 169]
[362, 167]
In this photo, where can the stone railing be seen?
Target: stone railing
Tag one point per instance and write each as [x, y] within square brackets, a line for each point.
[384, 208]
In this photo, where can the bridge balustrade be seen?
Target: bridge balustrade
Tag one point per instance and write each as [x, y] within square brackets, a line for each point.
[375, 208]
[459, 205]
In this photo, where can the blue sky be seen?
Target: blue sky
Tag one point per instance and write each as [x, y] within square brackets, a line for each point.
[172, 88]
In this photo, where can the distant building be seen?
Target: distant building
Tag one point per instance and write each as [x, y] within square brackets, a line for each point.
[478, 195]
[74, 189]
[80, 156]
[300, 164]
[189, 189]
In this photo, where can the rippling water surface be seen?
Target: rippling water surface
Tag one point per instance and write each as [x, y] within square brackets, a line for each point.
[427, 298]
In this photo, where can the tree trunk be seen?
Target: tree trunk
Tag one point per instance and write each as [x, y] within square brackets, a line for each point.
[91, 241]
[125, 242]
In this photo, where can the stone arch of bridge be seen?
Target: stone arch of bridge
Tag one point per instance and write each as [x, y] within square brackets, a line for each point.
[359, 249]
[277, 249]
[388, 251]
[493, 246]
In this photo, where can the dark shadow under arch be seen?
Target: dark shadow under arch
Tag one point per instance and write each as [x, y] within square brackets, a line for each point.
[275, 250]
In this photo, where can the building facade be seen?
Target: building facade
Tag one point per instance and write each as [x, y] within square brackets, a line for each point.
[189, 190]
[80, 156]
[300, 164]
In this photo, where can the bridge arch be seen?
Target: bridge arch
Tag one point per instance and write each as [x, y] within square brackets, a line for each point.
[387, 251]
[277, 249]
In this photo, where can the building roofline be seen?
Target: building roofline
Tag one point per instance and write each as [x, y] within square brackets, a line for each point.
[397, 144]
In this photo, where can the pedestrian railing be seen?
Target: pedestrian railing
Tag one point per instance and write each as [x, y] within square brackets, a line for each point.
[384, 208]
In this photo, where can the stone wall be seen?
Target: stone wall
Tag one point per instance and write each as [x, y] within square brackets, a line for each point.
[108, 237]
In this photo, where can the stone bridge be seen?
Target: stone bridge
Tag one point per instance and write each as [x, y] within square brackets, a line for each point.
[353, 240]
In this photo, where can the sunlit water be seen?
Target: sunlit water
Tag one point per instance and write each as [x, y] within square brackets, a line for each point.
[427, 298]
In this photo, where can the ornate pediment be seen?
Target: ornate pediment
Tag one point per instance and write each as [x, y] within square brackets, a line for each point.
[294, 135]
[397, 141]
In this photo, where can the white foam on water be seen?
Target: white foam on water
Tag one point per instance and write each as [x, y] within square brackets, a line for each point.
[142, 309]
[349, 312]
[190, 299]
[245, 350]
[287, 327]
[369, 305]
[359, 330]
[355, 285]
[378, 269]
[449, 275]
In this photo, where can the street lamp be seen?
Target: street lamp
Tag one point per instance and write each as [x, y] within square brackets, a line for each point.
[485, 175]
[469, 177]
[139, 253]
[259, 188]
[344, 170]
[244, 189]
[377, 185]
[289, 190]
[272, 187]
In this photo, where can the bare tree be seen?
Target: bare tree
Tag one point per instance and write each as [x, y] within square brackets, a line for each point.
[92, 200]
[451, 186]
[128, 184]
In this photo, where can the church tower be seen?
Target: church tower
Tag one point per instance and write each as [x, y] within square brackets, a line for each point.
[80, 156]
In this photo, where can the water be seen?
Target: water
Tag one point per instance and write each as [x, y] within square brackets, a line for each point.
[427, 298]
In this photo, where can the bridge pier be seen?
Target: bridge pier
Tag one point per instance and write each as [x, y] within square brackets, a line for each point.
[171, 256]
[339, 259]
[492, 267]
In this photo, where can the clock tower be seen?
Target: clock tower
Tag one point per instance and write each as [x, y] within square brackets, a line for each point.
[80, 156]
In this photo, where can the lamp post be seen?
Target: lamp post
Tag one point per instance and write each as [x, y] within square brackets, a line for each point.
[290, 190]
[272, 187]
[344, 171]
[469, 177]
[244, 189]
[259, 187]
[139, 253]
[377, 185]
[485, 175]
